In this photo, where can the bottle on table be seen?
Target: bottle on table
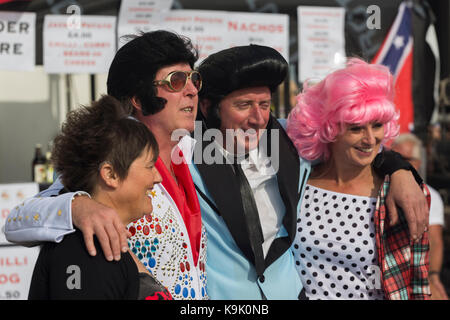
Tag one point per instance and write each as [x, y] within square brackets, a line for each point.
[49, 165]
[39, 170]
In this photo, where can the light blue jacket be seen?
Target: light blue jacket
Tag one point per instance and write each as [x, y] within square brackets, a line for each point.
[230, 272]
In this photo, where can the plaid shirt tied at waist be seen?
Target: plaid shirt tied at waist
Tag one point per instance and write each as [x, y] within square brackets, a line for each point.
[403, 264]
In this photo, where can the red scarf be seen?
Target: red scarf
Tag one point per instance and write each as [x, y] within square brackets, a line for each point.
[185, 198]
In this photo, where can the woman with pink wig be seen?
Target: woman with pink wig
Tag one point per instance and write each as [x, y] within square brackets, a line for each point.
[345, 247]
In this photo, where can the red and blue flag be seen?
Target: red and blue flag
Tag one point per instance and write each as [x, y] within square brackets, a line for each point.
[396, 53]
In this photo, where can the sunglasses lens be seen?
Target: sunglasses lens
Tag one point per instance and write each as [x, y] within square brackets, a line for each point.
[196, 80]
[178, 80]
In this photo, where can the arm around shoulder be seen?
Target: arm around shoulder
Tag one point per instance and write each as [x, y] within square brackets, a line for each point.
[40, 219]
[406, 191]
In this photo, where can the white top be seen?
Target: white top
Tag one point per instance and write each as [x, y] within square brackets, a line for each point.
[334, 249]
[161, 242]
[262, 179]
[436, 208]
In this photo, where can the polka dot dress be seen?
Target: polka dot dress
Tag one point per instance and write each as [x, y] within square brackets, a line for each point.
[334, 249]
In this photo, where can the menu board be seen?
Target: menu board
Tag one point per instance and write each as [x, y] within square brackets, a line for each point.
[17, 41]
[86, 47]
[321, 41]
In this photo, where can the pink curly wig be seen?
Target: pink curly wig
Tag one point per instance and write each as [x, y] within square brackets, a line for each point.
[360, 93]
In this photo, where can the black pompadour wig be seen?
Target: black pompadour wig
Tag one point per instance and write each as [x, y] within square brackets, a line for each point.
[135, 65]
[239, 68]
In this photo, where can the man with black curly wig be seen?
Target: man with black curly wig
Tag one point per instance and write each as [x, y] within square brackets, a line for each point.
[154, 74]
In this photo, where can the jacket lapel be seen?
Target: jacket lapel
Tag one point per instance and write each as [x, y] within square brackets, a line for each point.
[221, 183]
[288, 186]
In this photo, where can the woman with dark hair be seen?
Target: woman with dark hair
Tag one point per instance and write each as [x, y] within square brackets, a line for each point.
[110, 155]
[345, 247]
[153, 73]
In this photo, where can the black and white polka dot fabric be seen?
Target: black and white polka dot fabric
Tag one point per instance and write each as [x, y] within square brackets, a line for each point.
[334, 248]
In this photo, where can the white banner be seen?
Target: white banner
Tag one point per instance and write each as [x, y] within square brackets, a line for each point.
[16, 270]
[12, 195]
[136, 16]
[321, 41]
[265, 29]
[17, 41]
[206, 29]
[84, 46]
[212, 31]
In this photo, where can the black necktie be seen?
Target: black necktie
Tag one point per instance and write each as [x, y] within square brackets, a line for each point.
[252, 218]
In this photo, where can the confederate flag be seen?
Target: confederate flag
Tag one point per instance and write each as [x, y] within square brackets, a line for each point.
[397, 54]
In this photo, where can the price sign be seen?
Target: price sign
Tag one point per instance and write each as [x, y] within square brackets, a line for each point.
[265, 29]
[206, 29]
[86, 47]
[16, 270]
[321, 41]
[136, 16]
[212, 31]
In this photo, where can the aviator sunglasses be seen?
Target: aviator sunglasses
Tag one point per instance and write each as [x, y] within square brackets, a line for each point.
[177, 80]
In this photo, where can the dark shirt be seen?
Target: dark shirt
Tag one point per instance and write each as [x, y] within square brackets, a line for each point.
[66, 271]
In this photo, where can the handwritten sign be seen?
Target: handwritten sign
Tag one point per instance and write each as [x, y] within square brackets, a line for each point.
[88, 47]
[206, 29]
[136, 16]
[17, 41]
[265, 29]
[16, 263]
[212, 31]
[16, 270]
[321, 41]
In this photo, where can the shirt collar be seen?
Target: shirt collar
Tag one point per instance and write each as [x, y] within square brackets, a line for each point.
[256, 159]
[187, 146]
